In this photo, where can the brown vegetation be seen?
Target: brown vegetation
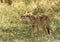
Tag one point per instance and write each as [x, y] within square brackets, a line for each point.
[6, 1]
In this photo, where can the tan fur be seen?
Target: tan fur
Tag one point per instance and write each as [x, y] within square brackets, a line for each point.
[43, 20]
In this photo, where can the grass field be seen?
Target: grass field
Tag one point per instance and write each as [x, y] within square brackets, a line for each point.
[14, 29]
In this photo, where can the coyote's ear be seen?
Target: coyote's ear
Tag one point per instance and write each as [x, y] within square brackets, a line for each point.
[25, 13]
[31, 13]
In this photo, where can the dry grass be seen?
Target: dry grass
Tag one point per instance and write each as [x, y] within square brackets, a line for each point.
[13, 29]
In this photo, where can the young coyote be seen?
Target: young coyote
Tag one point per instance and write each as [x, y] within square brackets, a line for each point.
[43, 20]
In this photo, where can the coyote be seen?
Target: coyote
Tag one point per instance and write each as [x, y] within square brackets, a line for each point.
[42, 20]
